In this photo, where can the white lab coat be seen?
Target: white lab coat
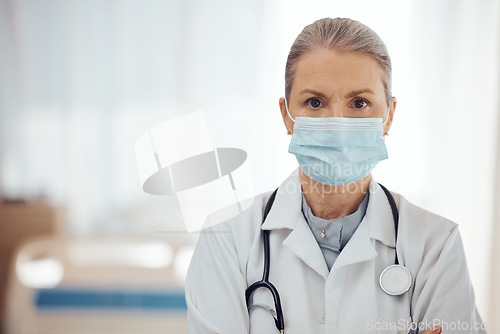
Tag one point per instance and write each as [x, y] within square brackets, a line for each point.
[347, 299]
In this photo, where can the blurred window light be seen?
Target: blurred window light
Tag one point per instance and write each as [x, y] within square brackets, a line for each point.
[181, 263]
[150, 254]
[40, 273]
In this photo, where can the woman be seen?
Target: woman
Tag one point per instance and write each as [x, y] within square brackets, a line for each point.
[332, 228]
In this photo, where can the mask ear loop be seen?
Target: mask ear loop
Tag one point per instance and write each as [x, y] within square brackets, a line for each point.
[286, 107]
[386, 118]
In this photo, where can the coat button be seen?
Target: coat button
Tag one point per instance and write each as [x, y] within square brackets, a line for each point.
[320, 316]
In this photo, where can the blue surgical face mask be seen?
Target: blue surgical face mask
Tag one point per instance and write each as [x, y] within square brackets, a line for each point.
[337, 150]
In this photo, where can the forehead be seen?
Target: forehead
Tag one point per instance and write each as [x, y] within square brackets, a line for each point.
[334, 72]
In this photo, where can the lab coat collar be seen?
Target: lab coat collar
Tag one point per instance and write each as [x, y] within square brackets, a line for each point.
[286, 214]
[286, 210]
[287, 206]
[379, 217]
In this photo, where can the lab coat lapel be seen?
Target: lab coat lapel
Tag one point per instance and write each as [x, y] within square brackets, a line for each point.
[302, 243]
[286, 212]
[377, 224]
[358, 249]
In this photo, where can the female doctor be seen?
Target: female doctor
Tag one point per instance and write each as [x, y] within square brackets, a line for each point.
[344, 255]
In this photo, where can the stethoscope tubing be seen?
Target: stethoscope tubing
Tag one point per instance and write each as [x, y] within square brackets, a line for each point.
[264, 282]
[395, 216]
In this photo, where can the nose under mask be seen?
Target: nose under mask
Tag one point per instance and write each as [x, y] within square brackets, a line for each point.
[337, 150]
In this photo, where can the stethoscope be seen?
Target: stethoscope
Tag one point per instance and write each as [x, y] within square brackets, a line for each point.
[394, 280]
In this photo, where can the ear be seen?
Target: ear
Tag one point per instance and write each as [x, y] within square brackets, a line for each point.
[392, 109]
[286, 120]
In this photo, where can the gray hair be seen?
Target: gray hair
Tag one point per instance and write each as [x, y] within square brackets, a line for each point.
[342, 35]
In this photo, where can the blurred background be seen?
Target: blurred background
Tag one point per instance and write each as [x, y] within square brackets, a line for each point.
[83, 249]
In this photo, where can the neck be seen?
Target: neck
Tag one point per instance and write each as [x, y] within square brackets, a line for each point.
[331, 202]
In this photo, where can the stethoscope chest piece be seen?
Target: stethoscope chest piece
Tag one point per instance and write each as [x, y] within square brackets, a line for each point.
[395, 280]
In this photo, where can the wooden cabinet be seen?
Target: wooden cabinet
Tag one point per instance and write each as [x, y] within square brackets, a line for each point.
[17, 222]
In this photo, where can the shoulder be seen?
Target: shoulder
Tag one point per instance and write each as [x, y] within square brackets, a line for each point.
[241, 218]
[425, 234]
[236, 227]
[421, 218]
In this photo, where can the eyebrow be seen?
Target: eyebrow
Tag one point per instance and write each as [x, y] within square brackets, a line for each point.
[359, 92]
[348, 95]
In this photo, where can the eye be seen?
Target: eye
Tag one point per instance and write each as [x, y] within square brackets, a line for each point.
[314, 103]
[359, 103]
